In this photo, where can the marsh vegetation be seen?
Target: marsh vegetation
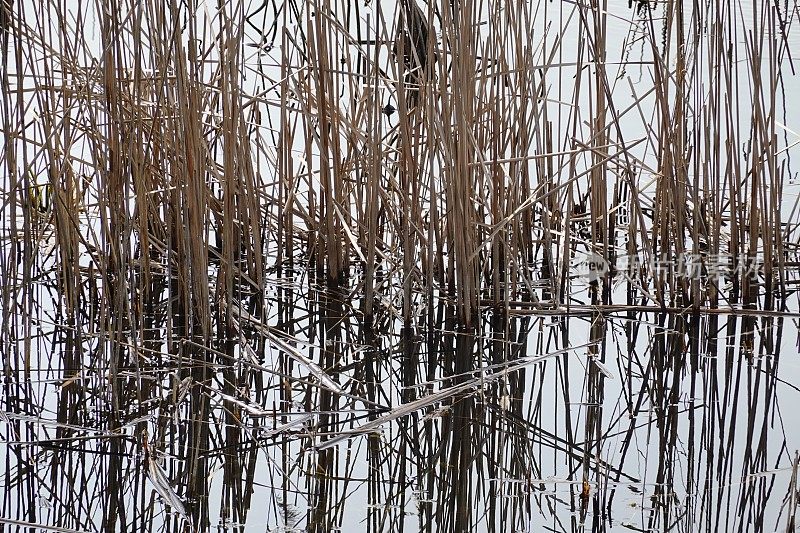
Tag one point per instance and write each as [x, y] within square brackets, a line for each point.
[394, 266]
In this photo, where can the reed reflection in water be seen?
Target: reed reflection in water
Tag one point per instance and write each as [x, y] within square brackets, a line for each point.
[655, 421]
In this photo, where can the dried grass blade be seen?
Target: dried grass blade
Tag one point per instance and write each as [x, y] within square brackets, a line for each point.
[159, 479]
[431, 399]
[312, 367]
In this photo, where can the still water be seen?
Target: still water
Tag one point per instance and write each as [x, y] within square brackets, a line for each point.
[629, 416]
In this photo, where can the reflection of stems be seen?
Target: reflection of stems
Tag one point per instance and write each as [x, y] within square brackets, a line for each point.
[793, 496]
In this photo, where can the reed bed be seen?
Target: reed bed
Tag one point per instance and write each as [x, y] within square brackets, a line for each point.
[498, 263]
